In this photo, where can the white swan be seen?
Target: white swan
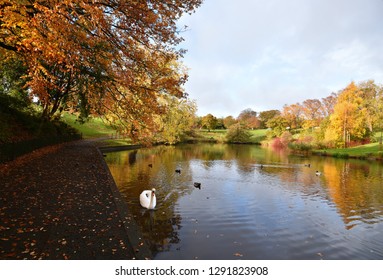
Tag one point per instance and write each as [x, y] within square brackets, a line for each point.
[148, 199]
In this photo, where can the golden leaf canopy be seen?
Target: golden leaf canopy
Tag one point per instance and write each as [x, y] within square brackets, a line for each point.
[97, 55]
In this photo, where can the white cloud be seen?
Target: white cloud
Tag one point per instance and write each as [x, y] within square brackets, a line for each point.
[266, 53]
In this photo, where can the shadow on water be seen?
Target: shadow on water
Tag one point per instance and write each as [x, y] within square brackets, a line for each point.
[253, 203]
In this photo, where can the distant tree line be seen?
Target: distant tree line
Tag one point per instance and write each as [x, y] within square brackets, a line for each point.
[247, 119]
[348, 117]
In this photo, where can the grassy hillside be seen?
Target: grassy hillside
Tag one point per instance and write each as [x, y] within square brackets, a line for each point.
[22, 129]
[97, 128]
[94, 128]
[20, 122]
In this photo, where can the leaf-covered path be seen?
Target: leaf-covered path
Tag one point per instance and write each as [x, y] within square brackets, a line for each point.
[61, 202]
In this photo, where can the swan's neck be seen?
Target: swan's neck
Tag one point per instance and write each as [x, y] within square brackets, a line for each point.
[151, 200]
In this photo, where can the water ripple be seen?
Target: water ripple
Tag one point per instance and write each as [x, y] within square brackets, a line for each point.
[254, 204]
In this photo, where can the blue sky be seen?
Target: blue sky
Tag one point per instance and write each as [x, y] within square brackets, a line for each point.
[262, 54]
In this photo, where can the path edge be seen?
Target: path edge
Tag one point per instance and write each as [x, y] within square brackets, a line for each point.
[141, 249]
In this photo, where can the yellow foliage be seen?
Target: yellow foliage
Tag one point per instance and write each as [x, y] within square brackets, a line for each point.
[349, 118]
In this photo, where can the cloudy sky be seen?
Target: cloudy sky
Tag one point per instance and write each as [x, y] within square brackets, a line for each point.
[262, 54]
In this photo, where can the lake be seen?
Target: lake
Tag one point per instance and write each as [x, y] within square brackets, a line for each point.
[254, 203]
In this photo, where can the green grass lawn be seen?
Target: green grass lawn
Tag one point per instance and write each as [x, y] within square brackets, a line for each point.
[94, 128]
[373, 149]
[258, 135]
[214, 134]
[219, 135]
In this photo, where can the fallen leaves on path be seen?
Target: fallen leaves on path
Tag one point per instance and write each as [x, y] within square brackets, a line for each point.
[56, 203]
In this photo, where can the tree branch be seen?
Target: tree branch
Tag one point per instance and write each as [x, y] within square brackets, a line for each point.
[8, 47]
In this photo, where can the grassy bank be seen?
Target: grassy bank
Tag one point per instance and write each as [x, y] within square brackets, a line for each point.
[368, 151]
[22, 130]
[219, 135]
[97, 128]
[94, 128]
[20, 121]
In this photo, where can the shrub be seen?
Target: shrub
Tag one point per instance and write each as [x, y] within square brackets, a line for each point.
[341, 155]
[237, 134]
[277, 143]
[286, 138]
[303, 147]
[321, 146]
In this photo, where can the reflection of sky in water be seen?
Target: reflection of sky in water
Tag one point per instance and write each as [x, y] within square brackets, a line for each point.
[281, 210]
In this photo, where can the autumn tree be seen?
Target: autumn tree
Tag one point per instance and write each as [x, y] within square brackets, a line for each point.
[176, 122]
[209, 122]
[100, 56]
[293, 114]
[380, 118]
[265, 116]
[247, 113]
[278, 125]
[253, 123]
[328, 104]
[312, 113]
[237, 133]
[12, 70]
[248, 119]
[229, 121]
[348, 122]
[198, 122]
[371, 94]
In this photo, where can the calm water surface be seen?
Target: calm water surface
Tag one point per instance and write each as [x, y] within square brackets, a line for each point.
[254, 203]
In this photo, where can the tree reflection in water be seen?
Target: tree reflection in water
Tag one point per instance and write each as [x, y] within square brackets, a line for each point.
[276, 197]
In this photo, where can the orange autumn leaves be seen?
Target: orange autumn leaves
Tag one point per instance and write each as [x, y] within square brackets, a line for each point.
[98, 56]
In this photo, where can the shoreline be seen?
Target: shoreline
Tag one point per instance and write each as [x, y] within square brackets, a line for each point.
[341, 154]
